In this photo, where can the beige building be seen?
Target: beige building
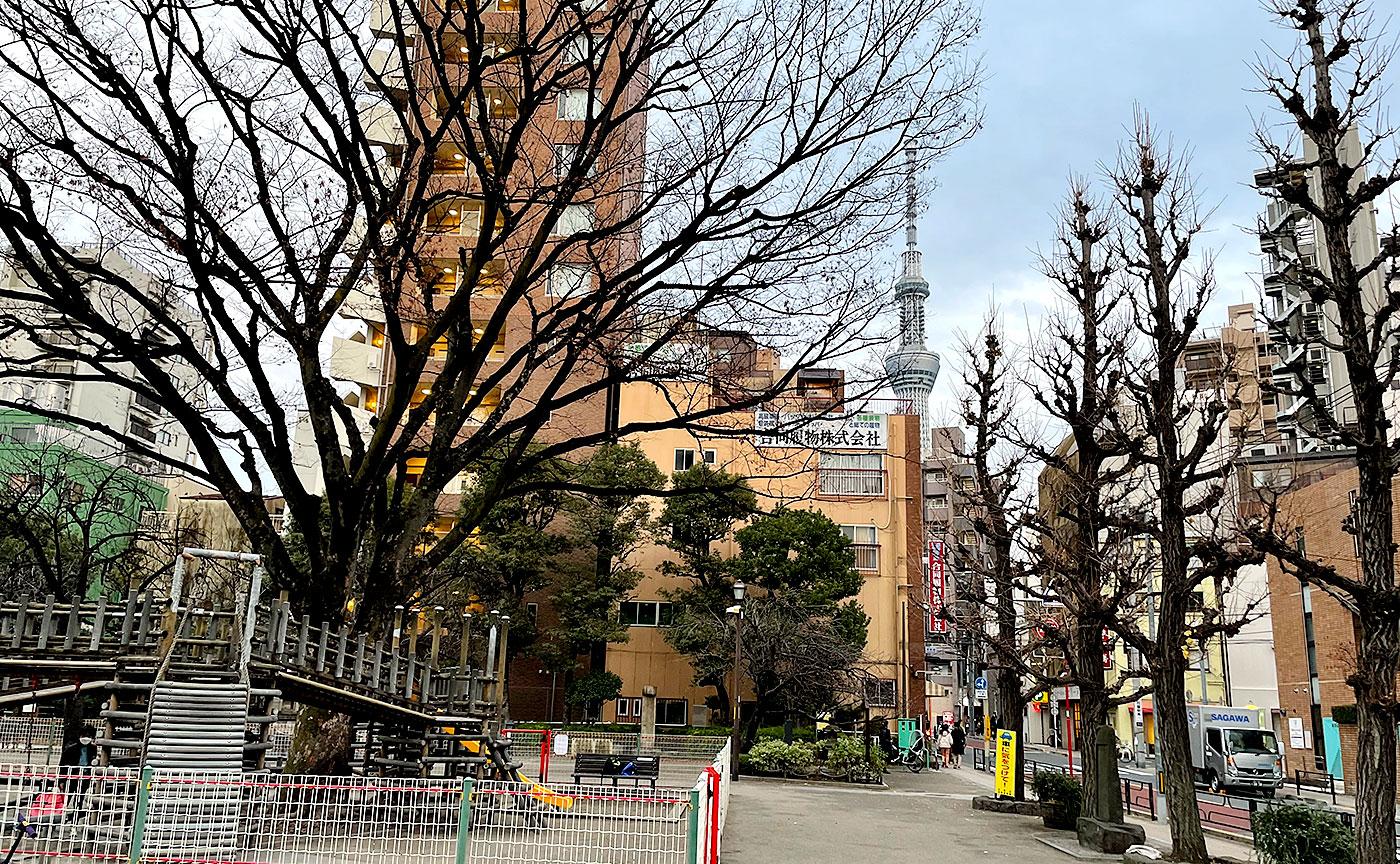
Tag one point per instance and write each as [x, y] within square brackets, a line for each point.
[864, 474]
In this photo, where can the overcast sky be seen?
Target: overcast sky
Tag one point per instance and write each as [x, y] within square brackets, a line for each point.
[1062, 78]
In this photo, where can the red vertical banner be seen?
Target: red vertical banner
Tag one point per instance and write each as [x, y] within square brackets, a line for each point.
[937, 582]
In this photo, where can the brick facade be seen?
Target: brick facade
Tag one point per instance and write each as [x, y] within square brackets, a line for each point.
[1318, 509]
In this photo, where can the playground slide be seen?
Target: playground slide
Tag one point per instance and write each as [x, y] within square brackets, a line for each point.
[541, 793]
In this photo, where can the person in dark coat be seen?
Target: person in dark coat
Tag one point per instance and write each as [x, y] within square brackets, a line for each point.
[82, 752]
[959, 743]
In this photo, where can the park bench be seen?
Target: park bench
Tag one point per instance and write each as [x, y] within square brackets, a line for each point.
[608, 767]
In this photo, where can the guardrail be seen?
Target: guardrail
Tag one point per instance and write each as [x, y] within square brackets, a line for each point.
[1139, 797]
[1323, 782]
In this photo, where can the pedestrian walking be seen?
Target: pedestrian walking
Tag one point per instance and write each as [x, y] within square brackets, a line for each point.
[945, 743]
[959, 735]
[79, 754]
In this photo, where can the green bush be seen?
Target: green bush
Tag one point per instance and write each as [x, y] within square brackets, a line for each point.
[1059, 788]
[778, 758]
[1298, 834]
[846, 758]
[797, 734]
[1344, 714]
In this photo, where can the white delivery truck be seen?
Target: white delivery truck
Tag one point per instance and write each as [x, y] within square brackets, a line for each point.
[1232, 749]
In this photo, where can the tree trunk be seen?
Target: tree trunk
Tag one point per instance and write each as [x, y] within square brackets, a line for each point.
[1375, 785]
[1093, 713]
[321, 743]
[1174, 761]
[1012, 709]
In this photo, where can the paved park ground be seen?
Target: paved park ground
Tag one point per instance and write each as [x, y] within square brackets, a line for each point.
[925, 818]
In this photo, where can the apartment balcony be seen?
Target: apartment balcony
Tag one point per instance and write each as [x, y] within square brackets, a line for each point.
[382, 25]
[867, 557]
[386, 73]
[382, 126]
[357, 361]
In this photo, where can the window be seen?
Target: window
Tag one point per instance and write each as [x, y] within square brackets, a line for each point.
[141, 429]
[24, 434]
[569, 280]
[532, 612]
[859, 533]
[865, 545]
[879, 692]
[624, 705]
[938, 501]
[577, 49]
[968, 538]
[146, 403]
[672, 712]
[1350, 522]
[575, 104]
[1213, 739]
[448, 217]
[575, 219]
[685, 459]
[938, 475]
[646, 613]
[486, 406]
[851, 474]
[564, 157]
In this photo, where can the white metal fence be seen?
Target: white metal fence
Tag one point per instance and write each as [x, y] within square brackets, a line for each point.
[551, 755]
[200, 817]
[33, 740]
[30, 738]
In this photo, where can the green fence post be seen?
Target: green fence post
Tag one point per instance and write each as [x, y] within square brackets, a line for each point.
[692, 830]
[138, 825]
[464, 820]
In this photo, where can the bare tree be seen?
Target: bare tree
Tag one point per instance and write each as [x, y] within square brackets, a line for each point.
[601, 185]
[989, 405]
[1085, 561]
[70, 521]
[1187, 454]
[1330, 90]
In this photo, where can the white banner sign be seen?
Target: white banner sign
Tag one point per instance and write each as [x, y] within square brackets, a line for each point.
[819, 432]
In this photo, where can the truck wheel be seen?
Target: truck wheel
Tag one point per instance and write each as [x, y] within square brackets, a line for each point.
[1269, 792]
[1214, 784]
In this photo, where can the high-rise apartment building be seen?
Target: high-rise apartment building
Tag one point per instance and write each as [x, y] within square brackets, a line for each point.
[953, 658]
[1302, 330]
[61, 419]
[38, 381]
[474, 52]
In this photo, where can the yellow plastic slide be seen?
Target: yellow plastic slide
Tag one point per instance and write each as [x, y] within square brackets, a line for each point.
[542, 793]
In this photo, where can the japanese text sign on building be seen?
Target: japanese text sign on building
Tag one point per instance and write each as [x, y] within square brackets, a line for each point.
[937, 584]
[820, 432]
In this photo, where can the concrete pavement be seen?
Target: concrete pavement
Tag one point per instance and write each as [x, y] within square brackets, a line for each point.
[917, 818]
[924, 819]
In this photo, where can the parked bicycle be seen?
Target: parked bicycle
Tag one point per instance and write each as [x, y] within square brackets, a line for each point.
[915, 756]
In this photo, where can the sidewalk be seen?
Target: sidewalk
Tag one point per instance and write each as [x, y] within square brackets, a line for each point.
[917, 819]
[1158, 833]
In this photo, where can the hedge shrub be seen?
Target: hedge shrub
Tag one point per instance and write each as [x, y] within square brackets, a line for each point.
[778, 758]
[798, 734]
[1058, 787]
[1344, 714]
[1298, 834]
[846, 758]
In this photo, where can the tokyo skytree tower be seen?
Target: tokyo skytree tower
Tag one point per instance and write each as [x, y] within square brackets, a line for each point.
[913, 369]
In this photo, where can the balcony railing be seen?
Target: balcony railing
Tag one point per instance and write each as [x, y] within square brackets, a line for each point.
[851, 482]
[867, 556]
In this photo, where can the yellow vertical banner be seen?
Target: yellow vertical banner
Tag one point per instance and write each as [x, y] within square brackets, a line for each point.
[1006, 763]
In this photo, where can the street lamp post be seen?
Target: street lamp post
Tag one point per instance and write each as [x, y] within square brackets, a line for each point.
[738, 610]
